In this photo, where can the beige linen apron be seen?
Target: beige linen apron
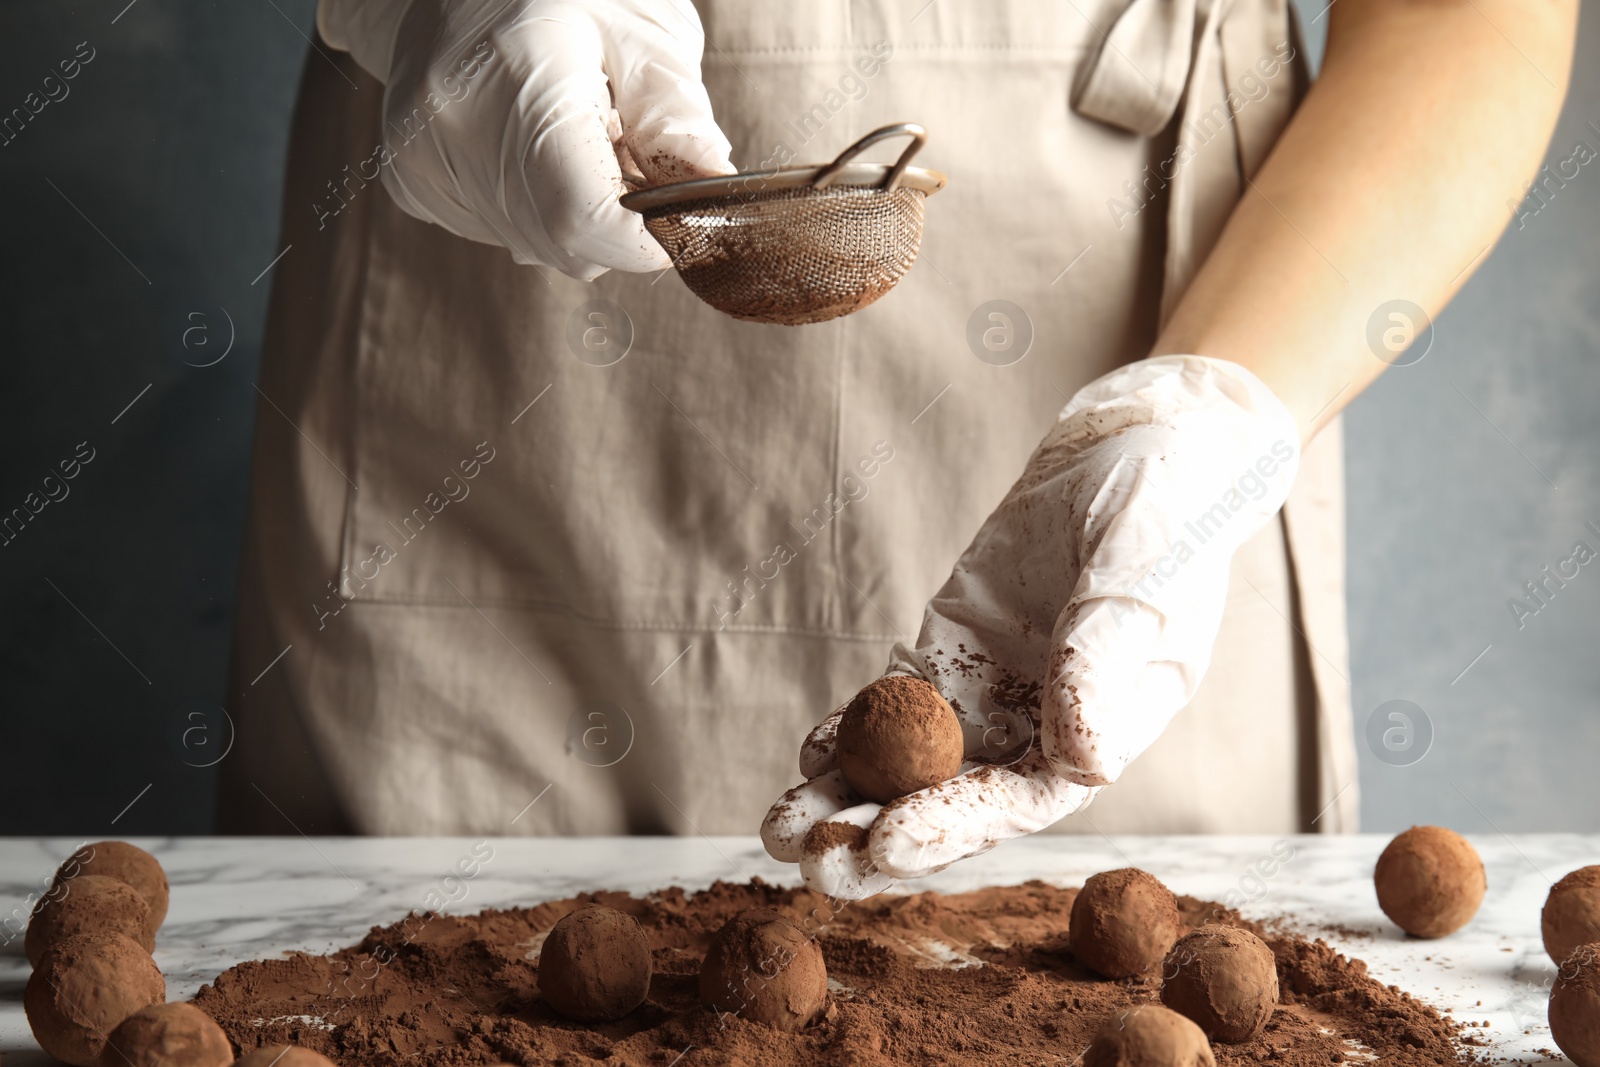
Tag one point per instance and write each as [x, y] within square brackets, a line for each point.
[527, 587]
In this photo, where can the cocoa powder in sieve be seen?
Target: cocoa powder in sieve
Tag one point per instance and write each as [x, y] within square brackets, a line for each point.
[463, 991]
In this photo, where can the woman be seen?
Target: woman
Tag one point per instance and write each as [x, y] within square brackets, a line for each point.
[520, 531]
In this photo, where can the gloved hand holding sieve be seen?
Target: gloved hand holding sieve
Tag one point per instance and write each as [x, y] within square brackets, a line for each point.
[793, 245]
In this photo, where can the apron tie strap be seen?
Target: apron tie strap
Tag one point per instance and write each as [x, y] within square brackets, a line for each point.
[1223, 69]
[1139, 76]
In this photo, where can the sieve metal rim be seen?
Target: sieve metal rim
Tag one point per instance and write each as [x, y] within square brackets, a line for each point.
[748, 185]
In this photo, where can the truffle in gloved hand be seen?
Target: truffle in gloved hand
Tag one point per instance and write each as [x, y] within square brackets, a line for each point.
[519, 123]
[898, 736]
[1074, 627]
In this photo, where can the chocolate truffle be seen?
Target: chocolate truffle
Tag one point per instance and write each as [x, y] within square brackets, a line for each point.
[168, 1035]
[118, 859]
[1223, 978]
[1124, 922]
[284, 1056]
[1571, 915]
[1575, 1006]
[83, 987]
[1149, 1036]
[764, 968]
[595, 965]
[88, 904]
[1429, 881]
[898, 736]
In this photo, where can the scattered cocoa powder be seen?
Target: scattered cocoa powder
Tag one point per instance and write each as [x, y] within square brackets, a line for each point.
[962, 980]
[283, 1056]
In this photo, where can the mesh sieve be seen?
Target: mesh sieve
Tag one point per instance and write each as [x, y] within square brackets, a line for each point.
[796, 244]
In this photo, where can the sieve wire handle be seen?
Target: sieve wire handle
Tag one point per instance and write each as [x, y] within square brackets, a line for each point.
[918, 135]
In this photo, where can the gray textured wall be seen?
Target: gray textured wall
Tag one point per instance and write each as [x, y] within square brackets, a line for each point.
[1469, 472]
[144, 203]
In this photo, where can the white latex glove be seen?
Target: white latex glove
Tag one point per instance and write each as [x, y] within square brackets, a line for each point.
[515, 123]
[1078, 622]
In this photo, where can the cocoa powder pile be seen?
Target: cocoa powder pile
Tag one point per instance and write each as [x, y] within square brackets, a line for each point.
[975, 978]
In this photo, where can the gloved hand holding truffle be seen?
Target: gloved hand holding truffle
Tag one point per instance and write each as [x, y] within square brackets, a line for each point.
[1075, 626]
[516, 123]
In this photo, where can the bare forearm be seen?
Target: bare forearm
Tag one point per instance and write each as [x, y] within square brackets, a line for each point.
[1391, 182]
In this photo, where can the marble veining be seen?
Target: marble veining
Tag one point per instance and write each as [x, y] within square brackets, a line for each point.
[237, 899]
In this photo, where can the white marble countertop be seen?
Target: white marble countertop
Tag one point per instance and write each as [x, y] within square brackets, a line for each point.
[238, 899]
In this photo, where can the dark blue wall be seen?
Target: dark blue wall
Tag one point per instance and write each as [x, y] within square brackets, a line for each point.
[140, 204]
